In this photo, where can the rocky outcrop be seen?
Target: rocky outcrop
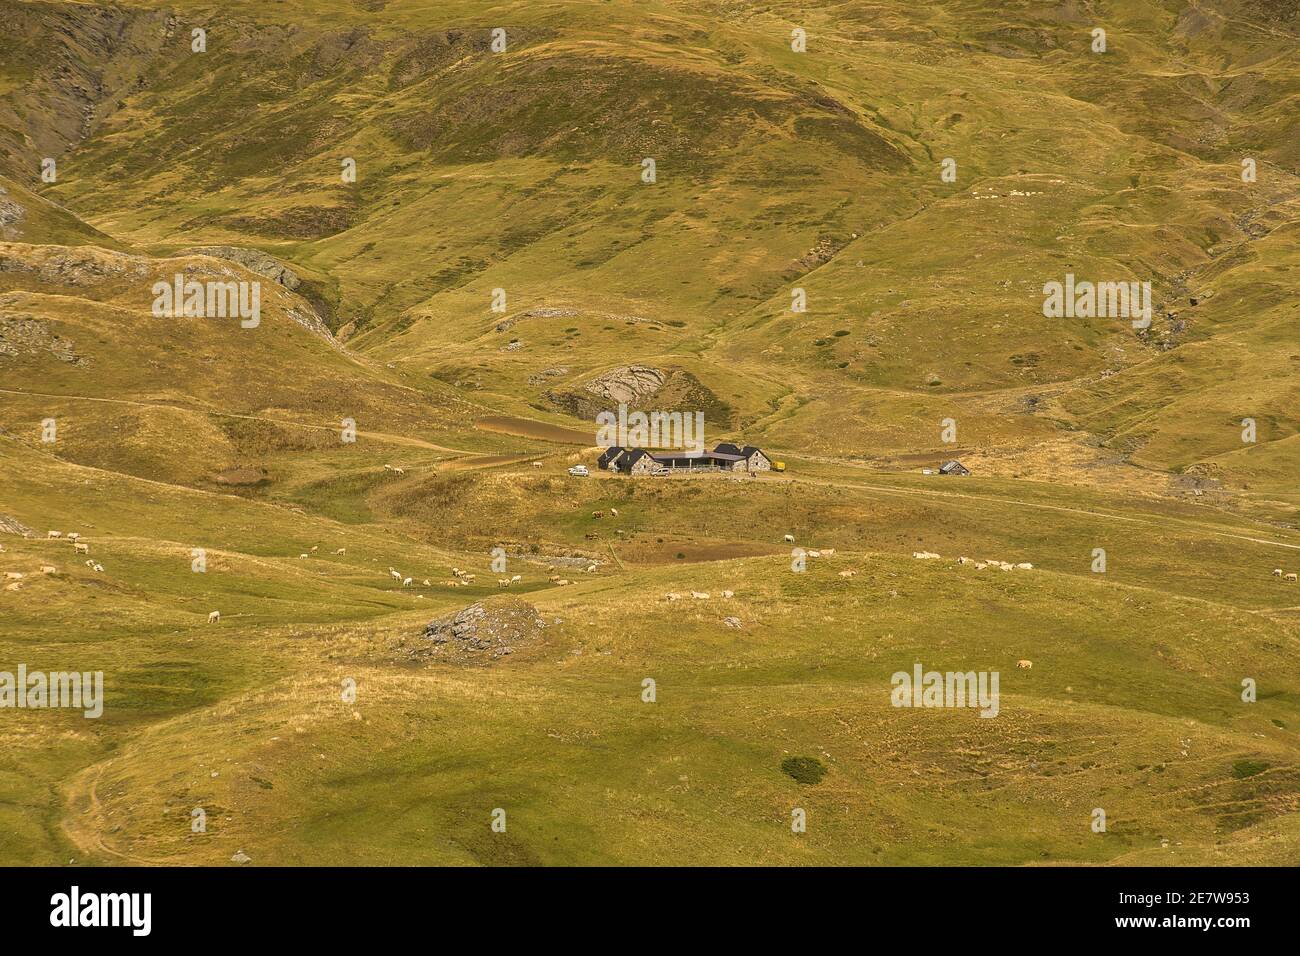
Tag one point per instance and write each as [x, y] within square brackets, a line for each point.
[632, 384]
[10, 525]
[496, 629]
[254, 260]
[11, 213]
[629, 384]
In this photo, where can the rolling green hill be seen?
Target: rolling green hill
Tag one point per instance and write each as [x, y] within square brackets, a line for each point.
[841, 253]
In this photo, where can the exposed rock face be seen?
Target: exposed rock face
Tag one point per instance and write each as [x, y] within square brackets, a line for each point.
[254, 260]
[11, 212]
[22, 335]
[633, 384]
[629, 384]
[498, 628]
[10, 525]
[71, 265]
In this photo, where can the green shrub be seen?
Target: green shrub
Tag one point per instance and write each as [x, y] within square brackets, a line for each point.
[807, 770]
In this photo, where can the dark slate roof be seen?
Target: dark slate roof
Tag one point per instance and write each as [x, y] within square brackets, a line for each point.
[727, 448]
[695, 456]
[948, 466]
[749, 450]
[609, 454]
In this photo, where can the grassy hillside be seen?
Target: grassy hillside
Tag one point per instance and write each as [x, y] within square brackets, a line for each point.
[518, 176]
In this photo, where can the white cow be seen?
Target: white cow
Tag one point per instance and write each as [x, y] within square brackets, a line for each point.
[214, 617]
[789, 539]
[80, 548]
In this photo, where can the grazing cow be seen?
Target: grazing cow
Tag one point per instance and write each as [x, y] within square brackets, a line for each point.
[1277, 572]
[598, 514]
[395, 574]
[589, 568]
[517, 577]
[302, 555]
[590, 535]
[55, 534]
[554, 579]
[99, 567]
[700, 595]
[73, 535]
[214, 617]
[537, 464]
[980, 565]
[1025, 566]
[1024, 665]
[49, 569]
[728, 594]
[1290, 577]
[613, 512]
[789, 539]
[847, 574]
[503, 582]
[13, 575]
[672, 596]
[426, 583]
[964, 561]
[314, 547]
[814, 554]
[80, 548]
[829, 552]
[406, 582]
[563, 581]
[341, 551]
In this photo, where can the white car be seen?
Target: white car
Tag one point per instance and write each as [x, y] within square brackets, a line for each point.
[579, 471]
